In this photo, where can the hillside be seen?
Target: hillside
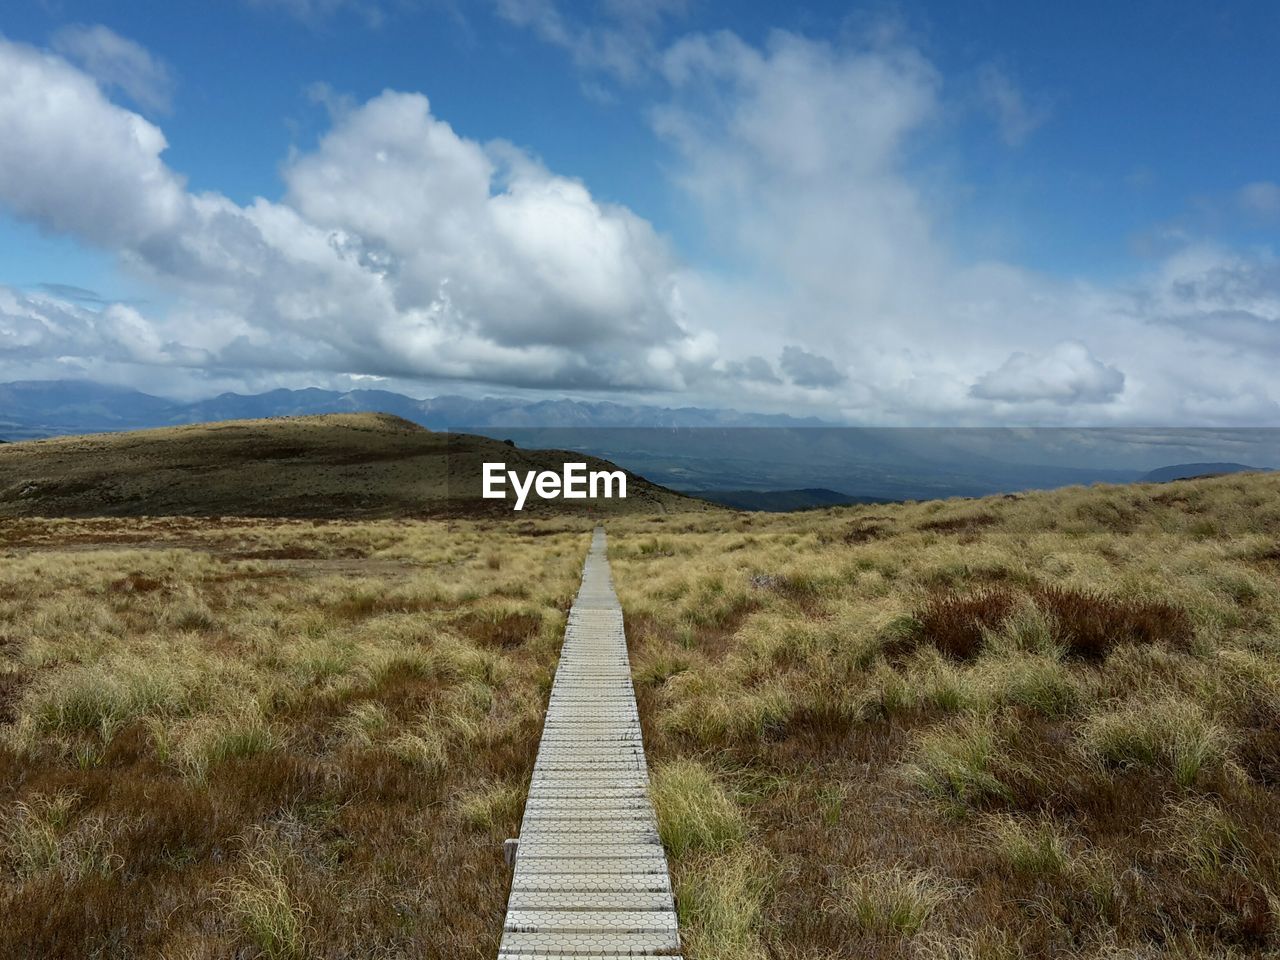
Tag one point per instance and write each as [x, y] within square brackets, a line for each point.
[1041, 726]
[1189, 471]
[338, 465]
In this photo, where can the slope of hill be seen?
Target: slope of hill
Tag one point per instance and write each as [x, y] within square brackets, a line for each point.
[879, 731]
[1188, 471]
[949, 711]
[335, 465]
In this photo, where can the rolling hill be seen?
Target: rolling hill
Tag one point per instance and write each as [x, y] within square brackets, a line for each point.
[1190, 471]
[337, 465]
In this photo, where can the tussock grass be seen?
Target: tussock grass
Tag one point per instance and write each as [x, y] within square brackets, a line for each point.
[493, 805]
[1174, 735]
[42, 839]
[1068, 699]
[269, 738]
[217, 739]
[957, 764]
[894, 900]
[1035, 846]
[721, 905]
[268, 912]
[694, 810]
[1092, 749]
[1199, 833]
[104, 697]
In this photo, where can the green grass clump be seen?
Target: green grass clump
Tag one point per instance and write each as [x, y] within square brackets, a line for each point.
[894, 900]
[103, 698]
[694, 811]
[1037, 847]
[954, 764]
[268, 914]
[721, 906]
[1202, 835]
[1174, 735]
[491, 805]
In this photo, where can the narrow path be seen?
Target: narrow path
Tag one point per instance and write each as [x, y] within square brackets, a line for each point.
[590, 874]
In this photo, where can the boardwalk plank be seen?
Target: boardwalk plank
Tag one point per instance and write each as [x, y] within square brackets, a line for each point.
[591, 877]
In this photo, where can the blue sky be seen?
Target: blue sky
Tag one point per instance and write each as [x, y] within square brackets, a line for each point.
[989, 212]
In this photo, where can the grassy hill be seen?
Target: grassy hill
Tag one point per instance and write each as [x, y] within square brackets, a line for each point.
[1042, 726]
[337, 465]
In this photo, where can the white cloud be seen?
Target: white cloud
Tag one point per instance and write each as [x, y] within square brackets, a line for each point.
[401, 248]
[799, 154]
[118, 62]
[620, 38]
[1067, 373]
[73, 161]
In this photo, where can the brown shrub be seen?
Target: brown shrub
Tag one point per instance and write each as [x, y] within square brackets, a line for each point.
[11, 685]
[974, 521]
[862, 531]
[502, 630]
[362, 606]
[136, 583]
[954, 622]
[1091, 624]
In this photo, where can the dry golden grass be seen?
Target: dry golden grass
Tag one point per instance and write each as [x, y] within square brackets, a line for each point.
[331, 465]
[1044, 725]
[269, 739]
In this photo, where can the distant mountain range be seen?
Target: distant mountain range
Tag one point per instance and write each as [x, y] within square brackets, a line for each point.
[45, 408]
[726, 455]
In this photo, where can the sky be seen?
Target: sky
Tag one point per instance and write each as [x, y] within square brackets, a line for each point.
[993, 213]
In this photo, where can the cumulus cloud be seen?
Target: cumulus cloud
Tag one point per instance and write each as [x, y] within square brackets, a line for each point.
[403, 249]
[400, 248]
[800, 155]
[118, 62]
[35, 327]
[1068, 373]
[752, 368]
[72, 161]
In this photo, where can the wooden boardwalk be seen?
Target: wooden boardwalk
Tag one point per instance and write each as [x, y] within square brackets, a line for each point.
[590, 874]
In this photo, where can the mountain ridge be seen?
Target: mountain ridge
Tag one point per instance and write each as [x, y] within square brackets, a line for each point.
[31, 409]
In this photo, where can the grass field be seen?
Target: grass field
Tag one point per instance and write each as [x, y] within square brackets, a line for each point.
[279, 740]
[1043, 725]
